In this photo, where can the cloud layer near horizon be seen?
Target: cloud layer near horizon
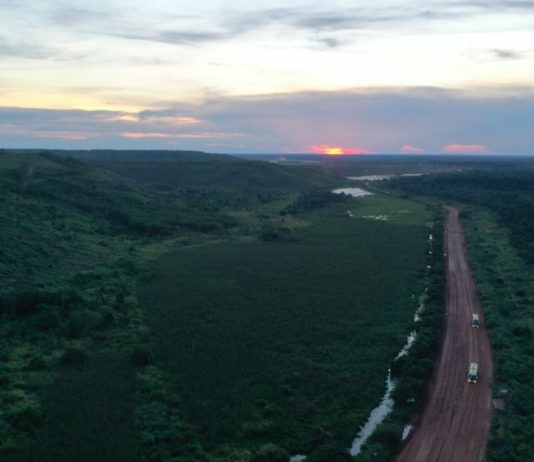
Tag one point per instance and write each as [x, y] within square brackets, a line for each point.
[376, 120]
[351, 76]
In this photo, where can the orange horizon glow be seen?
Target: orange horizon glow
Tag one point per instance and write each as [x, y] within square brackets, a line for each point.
[336, 150]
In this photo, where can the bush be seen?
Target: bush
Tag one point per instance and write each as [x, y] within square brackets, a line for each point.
[37, 363]
[25, 416]
[271, 453]
[142, 355]
[75, 354]
[47, 317]
[26, 302]
[165, 436]
[83, 322]
[331, 451]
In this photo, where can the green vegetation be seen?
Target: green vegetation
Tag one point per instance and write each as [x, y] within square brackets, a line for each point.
[497, 212]
[508, 192]
[506, 288]
[270, 308]
[412, 372]
[75, 237]
[288, 342]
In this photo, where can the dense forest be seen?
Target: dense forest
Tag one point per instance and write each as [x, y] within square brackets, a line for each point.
[76, 238]
[131, 290]
[100, 252]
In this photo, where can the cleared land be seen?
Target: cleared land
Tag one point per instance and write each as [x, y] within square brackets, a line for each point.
[456, 421]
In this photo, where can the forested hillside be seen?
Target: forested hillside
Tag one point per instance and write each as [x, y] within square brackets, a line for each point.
[75, 238]
[200, 309]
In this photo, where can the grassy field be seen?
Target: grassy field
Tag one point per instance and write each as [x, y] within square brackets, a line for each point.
[288, 342]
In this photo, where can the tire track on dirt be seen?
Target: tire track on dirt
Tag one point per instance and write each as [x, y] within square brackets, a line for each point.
[455, 423]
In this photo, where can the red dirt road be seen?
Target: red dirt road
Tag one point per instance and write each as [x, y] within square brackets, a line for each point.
[456, 420]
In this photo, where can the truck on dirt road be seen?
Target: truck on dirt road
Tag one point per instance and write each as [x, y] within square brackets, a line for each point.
[475, 322]
[472, 376]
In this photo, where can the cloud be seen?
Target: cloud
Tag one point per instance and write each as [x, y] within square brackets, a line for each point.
[192, 136]
[169, 118]
[72, 16]
[464, 149]
[408, 149]
[177, 37]
[370, 120]
[329, 42]
[26, 50]
[506, 54]
[314, 20]
[499, 4]
[9, 129]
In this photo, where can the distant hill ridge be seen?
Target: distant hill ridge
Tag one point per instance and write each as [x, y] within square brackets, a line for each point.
[124, 155]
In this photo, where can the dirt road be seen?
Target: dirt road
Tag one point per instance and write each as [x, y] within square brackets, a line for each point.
[455, 423]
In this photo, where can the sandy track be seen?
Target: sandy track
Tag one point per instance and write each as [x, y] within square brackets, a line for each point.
[456, 420]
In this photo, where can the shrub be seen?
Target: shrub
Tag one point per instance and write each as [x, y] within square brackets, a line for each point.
[81, 322]
[37, 363]
[75, 354]
[331, 451]
[142, 355]
[47, 317]
[271, 453]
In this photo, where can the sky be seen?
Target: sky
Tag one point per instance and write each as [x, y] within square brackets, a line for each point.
[344, 76]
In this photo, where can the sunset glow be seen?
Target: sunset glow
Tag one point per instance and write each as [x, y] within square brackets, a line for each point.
[465, 149]
[430, 77]
[337, 150]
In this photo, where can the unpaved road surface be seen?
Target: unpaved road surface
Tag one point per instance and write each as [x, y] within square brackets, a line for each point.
[456, 420]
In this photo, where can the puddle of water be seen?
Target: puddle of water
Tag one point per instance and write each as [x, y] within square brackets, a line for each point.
[406, 432]
[370, 177]
[297, 458]
[377, 415]
[380, 177]
[376, 217]
[409, 341]
[354, 192]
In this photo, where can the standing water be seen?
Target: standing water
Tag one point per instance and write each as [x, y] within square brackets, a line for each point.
[377, 415]
[354, 192]
[297, 458]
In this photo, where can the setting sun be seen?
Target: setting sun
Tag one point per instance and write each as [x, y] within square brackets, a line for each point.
[336, 150]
